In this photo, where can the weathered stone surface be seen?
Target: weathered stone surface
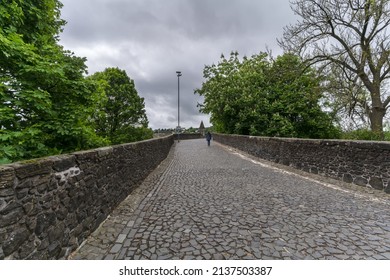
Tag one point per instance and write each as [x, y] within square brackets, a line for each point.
[15, 239]
[7, 192]
[31, 168]
[1, 254]
[348, 178]
[105, 152]
[56, 232]
[242, 209]
[8, 206]
[3, 205]
[357, 162]
[64, 162]
[7, 177]
[26, 249]
[44, 221]
[54, 250]
[361, 181]
[62, 213]
[376, 183]
[62, 199]
[237, 207]
[12, 217]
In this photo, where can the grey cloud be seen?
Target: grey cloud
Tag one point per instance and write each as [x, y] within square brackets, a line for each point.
[152, 39]
[152, 20]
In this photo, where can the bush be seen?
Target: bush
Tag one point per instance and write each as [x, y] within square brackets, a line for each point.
[365, 134]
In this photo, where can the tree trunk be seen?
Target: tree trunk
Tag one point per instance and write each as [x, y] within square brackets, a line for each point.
[378, 111]
[376, 119]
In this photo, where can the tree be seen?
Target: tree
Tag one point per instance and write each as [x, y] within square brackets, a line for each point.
[44, 97]
[352, 36]
[258, 96]
[221, 92]
[295, 93]
[347, 98]
[120, 116]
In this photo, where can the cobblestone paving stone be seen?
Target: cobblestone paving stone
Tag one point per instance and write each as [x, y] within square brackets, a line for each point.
[210, 203]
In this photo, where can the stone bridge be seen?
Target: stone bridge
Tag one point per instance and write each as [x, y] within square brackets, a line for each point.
[132, 201]
[216, 203]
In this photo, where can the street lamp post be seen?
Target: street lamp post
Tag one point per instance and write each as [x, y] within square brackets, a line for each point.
[178, 105]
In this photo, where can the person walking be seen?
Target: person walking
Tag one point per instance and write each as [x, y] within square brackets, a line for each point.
[208, 138]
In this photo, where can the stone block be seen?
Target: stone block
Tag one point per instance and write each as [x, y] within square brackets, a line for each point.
[22, 193]
[348, 178]
[314, 170]
[54, 250]
[360, 181]
[39, 255]
[7, 177]
[84, 158]
[3, 204]
[46, 201]
[42, 189]
[7, 207]
[8, 192]
[44, 222]
[56, 232]
[2, 256]
[64, 162]
[31, 223]
[62, 213]
[42, 244]
[15, 240]
[12, 217]
[26, 249]
[376, 183]
[285, 161]
[104, 152]
[77, 231]
[33, 168]
[87, 223]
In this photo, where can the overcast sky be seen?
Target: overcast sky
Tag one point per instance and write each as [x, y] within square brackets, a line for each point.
[152, 39]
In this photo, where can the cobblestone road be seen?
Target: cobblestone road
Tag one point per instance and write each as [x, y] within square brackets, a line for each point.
[211, 203]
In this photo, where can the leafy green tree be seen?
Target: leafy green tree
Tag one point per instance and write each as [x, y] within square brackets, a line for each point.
[294, 91]
[223, 94]
[44, 97]
[120, 116]
[259, 96]
[352, 36]
[253, 103]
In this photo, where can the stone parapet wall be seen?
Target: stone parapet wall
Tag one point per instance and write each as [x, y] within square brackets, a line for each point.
[188, 136]
[49, 206]
[363, 163]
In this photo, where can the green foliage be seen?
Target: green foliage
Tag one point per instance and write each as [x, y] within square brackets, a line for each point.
[120, 113]
[192, 130]
[365, 134]
[47, 106]
[258, 96]
[348, 41]
[45, 100]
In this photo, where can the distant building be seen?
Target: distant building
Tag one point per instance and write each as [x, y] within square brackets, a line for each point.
[201, 128]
